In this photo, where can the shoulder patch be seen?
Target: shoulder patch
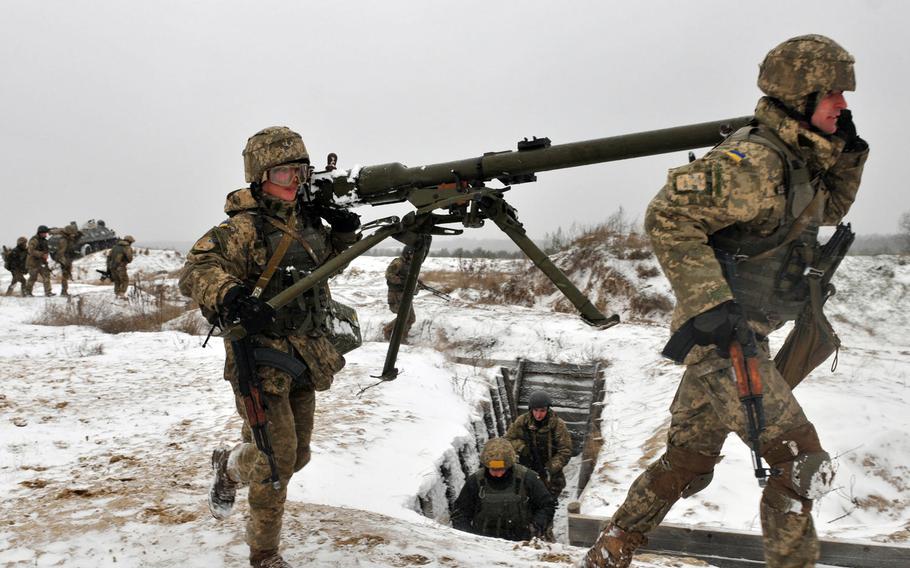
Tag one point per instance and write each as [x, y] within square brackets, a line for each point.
[206, 243]
[693, 181]
[736, 155]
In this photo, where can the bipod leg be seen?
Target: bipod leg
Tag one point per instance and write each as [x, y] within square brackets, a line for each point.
[421, 247]
[503, 215]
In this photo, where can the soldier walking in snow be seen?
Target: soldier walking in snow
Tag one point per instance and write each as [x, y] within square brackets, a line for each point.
[736, 234]
[14, 261]
[395, 276]
[273, 237]
[120, 255]
[64, 255]
[503, 499]
[542, 442]
[36, 262]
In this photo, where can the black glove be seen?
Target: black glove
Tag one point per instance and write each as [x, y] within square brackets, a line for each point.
[253, 314]
[846, 131]
[722, 324]
[341, 220]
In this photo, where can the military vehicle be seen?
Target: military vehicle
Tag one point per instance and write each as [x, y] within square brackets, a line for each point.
[95, 236]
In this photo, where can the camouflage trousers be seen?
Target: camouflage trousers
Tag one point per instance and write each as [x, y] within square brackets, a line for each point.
[387, 328]
[44, 273]
[555, 483]
[66, 274]
[290, 429]
[706, 408]
[18, 278]
[120, 279]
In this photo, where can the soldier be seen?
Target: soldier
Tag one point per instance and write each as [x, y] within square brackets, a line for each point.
[64, 255]
[36, 262]
[753, 203]
[120, 255]
[503, 499]
[395, 275]
[14, 261]
[542, 442]
[272, 237]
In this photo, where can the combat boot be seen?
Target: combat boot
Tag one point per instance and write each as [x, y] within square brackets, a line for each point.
[267, 559]
[223, 490]
[613, 548]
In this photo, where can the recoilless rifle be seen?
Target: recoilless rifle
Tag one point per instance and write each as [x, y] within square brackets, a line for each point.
[457, 192]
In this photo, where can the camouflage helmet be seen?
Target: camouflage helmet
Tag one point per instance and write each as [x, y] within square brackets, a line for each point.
[42, 229]
[129, 239]
[804, 65]
[271, 147]
[498, 454]
[21, 241]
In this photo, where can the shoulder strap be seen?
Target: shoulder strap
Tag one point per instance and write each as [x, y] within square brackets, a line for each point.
[275, 260]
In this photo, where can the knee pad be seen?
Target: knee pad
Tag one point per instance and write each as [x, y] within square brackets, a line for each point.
[682, 473]
[804, 467]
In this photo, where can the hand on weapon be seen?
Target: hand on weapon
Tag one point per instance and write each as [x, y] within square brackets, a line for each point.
[341, 220]
[105, 274]
[252, 313]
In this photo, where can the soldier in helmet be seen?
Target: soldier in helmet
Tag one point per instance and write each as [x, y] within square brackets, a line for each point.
[736, 234]
[65, 253]
[36, 262]
[503, 499]
[395, 276]
[120, 255]
[542, 441]
[14, 261]
[273, 236]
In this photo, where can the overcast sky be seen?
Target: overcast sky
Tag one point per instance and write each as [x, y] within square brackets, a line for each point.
[137, 112]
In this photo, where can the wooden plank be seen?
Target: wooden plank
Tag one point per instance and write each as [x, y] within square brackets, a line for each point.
[732, 548]
[510, 390]
[546, 368]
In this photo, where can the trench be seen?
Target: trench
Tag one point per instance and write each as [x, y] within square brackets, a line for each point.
[577, 392]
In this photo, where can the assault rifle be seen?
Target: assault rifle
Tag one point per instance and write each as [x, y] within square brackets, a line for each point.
[450, 193]
[434, 291]
[105, 275]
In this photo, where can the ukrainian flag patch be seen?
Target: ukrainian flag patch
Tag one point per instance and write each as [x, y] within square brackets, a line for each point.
[735, 155]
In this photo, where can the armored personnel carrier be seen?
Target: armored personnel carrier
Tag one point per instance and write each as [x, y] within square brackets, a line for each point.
[95, 236]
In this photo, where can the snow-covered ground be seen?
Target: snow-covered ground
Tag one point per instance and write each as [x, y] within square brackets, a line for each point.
[105, 439]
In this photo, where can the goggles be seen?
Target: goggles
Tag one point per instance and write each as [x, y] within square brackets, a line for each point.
[286, 174]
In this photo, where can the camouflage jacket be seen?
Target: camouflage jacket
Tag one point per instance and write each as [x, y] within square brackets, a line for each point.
[739, 183]
[550, 442]
[235, 253]
[38, 251]
[14, 259]
[66, 249]
[120, 254]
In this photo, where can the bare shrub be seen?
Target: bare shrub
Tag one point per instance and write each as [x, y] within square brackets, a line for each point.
[646, 304]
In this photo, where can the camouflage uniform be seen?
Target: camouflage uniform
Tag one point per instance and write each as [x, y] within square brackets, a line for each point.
[740, 187]
[395, 275]
[548, 441]
[64, 255]
[120, 255]
[515, 506]
[14, 261]
[36, 263]
[235, 253]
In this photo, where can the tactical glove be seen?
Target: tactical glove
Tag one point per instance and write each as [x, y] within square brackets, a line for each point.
[846, 131]
[253, 314]
[341, 220]
[720, 325]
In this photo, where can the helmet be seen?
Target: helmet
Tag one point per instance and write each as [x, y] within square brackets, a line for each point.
[270, 147]
[539, 399]
[129, 239]
[498, 454]
[804, 65]
[21, 241]
[42, 229]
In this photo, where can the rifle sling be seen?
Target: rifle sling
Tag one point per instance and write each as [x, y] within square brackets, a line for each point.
[272, 265]
[289, 231]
